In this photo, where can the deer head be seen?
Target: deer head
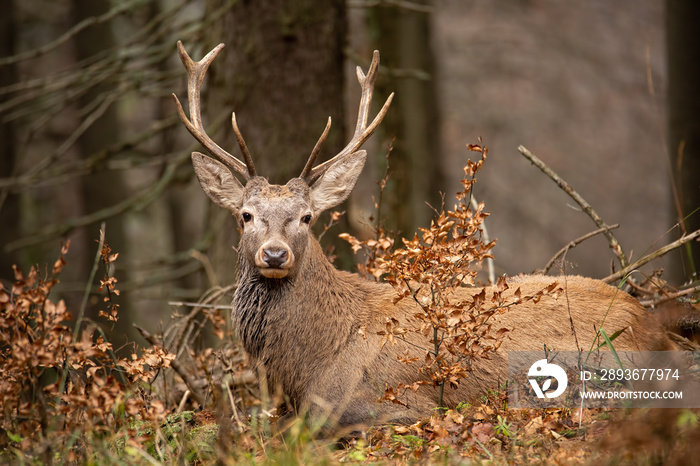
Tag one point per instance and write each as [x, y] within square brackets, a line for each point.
[276, 220]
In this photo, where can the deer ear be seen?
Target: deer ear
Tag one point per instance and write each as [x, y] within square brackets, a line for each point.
[217, 182]
[337, 182]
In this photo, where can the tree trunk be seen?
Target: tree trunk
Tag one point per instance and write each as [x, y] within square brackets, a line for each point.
[683, 52]
[282, 73]
[103, 188]
[9, 202]
[403, 38]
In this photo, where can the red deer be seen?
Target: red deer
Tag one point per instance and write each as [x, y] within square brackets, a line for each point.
[300, 318]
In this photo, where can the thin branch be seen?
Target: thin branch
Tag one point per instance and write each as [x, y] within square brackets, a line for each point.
[225, 307]
[404, 4]
[646, 291]
[86, 295]
[85, 166]
[571, 245]
[614, 244]
[84, 125]
[669, 296]
[203, 259]
[175, 335]
[487, 240]
[650, 257]
[189, 381]
[137, 202]
[87, 22]
[88, 288]
[166, 275]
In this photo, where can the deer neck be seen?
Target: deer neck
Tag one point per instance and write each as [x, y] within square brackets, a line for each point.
[319, 302]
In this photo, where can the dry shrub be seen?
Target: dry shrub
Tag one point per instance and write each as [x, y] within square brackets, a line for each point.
[429, 269]
[60, 378]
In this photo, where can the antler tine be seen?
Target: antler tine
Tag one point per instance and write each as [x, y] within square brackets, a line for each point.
[362, 131]
[195, 77]
[244, 148]
[314, 153]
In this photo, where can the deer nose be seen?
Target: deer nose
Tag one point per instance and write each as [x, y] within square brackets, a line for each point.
[275, 257]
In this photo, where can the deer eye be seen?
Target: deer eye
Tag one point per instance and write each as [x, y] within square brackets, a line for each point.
[247, 217]
[306, 218]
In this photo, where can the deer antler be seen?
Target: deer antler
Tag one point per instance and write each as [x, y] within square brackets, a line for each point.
[195, 78]
[362, 131]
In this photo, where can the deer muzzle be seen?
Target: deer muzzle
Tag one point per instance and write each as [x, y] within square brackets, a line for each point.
[274, 259]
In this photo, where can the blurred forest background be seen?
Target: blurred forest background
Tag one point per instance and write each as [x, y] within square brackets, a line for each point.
[604, 92]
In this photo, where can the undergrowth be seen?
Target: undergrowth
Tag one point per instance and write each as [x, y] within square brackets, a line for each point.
[60, 380]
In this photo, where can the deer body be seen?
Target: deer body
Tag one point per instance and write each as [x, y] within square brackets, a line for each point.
[314, 328]
[305, 331]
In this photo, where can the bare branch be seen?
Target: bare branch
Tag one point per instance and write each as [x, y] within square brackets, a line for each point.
[573, 244]
[139, 201]
[87, 22]
[650, 257]
[182, 372]
[614, 244]
[200, 305]
[404, 4]
[486, 239]
[670, 296]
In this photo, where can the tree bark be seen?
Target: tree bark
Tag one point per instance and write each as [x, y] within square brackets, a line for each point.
[403, 38]
[282, 73]
[683, 55]
[9, 202]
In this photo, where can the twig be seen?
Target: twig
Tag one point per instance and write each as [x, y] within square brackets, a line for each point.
[183, 400]
[162, 275]
[93, 20]
[482, 446]
[650, 257]
[641, 290]
[194, 392]
[85, 124]
[176, 335]
[234, 409]
[86, 295]
[333, 218]
[573, 244]
[136, 202]
[407, 5]
[88, 288]
[614, 244]
[206, 263]
[204, 306]
[487, 240]
[669, 296]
